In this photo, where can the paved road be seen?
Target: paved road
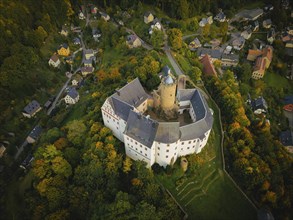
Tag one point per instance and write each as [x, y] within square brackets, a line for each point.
[190, 35]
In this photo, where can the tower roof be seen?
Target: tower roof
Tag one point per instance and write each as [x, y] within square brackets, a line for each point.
[168, 80]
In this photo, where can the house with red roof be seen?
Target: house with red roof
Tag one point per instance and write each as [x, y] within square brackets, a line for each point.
[208, 67]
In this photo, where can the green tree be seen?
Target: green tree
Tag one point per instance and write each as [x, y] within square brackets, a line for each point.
[175, 38]
[157, 39]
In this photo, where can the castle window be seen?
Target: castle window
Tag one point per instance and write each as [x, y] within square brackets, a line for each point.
[168, 145]
[189, 142]
[135, 143]
[182, 143]
[158, 154]
[158, 148]
[117, 128]
[127, 138]
[135, 148]
[166, 156]
[193, 141]
[145, 154]
[188, 148]
[140, 145]
[167, 151]
[141, 152]
[193, 146]
[145, 148]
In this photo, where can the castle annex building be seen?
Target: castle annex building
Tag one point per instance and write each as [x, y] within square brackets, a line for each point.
[130, 114]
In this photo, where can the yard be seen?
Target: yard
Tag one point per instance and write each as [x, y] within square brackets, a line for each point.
[208, 193]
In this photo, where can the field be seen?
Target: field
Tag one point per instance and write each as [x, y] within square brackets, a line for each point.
[208, 193]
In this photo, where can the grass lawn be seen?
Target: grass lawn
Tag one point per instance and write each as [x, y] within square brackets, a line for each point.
[275, 80]
[208, 193]
[183, 62]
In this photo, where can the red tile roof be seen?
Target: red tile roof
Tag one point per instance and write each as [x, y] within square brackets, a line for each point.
[288, 107]
[208, 67]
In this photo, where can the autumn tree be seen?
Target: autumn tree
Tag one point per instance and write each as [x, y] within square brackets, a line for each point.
[175, 38]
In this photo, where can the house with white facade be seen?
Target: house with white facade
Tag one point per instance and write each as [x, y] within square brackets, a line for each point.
[54, 61]
[152, 140]
[72, 96]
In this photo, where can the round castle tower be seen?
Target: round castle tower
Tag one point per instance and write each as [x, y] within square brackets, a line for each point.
[168, 92]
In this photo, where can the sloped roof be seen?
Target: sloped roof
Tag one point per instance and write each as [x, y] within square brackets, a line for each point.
[185, 94]
[214, 53]
[72, 93]
[132, 93]
[88, 51]
[87, 69]
[120, 108]
[146, 14]
[54, 58]
[208, 67]
[168, 132]
[286, 138]
[204, 119]
[131, 38]
[259, 103]
[36, 132]
[234, 57]
[141, 128]
[166, 70]
[32, 107]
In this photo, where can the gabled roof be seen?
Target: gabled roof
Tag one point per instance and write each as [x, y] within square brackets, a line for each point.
[204, 119]
[87, 69]
[54, 58]
[147, 14]
[268, 53]
[131, 38]
[141, 128]
[32, 107]
[214, 53]
[72, 93]
[185, 94]
[208, 67]
[36, 132]
[132, 93]
[88, 51]
[232, 57]
[120, 108]
[259, 103]
[168, 132]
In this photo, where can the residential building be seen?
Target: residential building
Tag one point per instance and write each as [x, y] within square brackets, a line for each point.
[255, 26]
[94, 9]
[152, 141]
[262, 58]
[96, 33]
[259, 105]
[77, 80]
[34, 134]
[76, 41]
[203, 22]
[238, 43]
[271, 35]
[88, 63]
[148, 17]
[72, 96]
[64, 30]
[2, 150]
[286, 138]
[89, 53]
[63, 50]
[208, 67]
[267, 23]
[31, 109]
[289, 48]
[246, 34]
[221, 17]
[27, 162]
[193, 45]
[54, 61]
[87, 70]
[214, 54]
[133, 41]
[229, 60]
[48, 104]
[105, 16]
[155, 25]
[81, 15]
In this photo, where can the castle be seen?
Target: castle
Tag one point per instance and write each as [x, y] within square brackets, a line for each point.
[154, 139]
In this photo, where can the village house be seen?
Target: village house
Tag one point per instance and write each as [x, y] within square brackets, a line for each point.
[81, 15]
[214, 54]
[64, 30]
[267, 23]
[133, 41]
[34, 135]
[155, 25]
[31, 109]
[72, 96]
[76, 41]
[96, 33]
[48, 104]
[2, 150]
[249, 15]
[63, 50]
[238, 43]
[104, 16]
[94, 9]
[88, 62]
[148, 17]
[208, 67]
[193, 45]
[262, 60]
[77, 80]
[271, 35]
[221, 17]
[228, 60]
[86, 70]
[54, 61]
[259, 105]
[246, 34]
[89, 53]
